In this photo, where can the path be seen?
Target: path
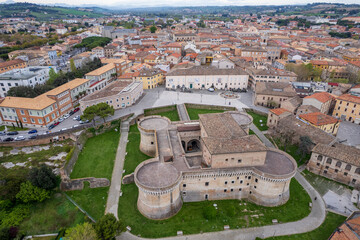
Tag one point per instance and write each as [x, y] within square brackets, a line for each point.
[307, 224]
[115, 187]
[183, 114]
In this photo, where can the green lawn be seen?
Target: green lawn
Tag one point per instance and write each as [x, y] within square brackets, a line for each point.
[332, 221]
[251, 132]
[92, 200]
[97, 157]
[194, 112]
[191, 220]
[51, 215]
[169, 112]
[256, 120]
[134, 156]
[11, 128]
[323, 184]
[292, 150]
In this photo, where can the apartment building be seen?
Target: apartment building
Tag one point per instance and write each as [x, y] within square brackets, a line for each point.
[119, 94]
[322, 121]
[347, 107]
[270, 75]
[121, 65]
[322, 101]
[29, 76]
[44, 109]
[271, 94]
[101, 77]
[150, 78]
[204, 77]
[12, 64]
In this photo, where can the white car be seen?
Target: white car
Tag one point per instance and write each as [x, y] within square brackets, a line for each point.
[19, 138]
[211, 89]
[77, 118]
[66, 116]
[61, 119]
[64, 129]
[75, 126]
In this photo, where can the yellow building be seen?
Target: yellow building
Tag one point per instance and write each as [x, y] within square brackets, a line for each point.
[322, 121]
[151, 78]
[347, 108]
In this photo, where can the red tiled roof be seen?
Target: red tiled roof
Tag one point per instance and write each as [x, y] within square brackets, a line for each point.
[279, 111]
[322, 97]
[318, 118]
[349, 98]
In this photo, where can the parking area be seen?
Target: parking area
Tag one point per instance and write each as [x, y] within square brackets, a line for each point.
[349, 133]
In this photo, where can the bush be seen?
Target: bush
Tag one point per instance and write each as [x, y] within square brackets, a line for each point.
[210, 212]
[70, 154]
[42, 177]
[31, 193]
[80, 232]
[67, 148]
[16, 216]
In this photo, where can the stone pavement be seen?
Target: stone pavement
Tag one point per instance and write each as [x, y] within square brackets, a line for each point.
[183, 114]
[307, 224]
[115, 187]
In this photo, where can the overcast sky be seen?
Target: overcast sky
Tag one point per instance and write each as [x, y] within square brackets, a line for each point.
[145, 3]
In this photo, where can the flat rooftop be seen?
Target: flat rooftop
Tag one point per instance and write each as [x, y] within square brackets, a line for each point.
[157, 174]
[277, 164]
[154, 123]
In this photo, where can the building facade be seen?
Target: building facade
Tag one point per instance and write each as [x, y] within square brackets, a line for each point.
[12, 64]
[347, 107]
[204, 77]
[273, 94]
[101, 77]
[210, 159]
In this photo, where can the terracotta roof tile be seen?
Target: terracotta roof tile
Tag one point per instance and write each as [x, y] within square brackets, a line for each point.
[318, 118]
[322, 96]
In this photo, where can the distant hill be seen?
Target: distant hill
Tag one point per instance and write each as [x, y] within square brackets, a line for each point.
[43, 12]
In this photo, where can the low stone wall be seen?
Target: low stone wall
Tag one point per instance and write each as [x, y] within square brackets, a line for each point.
[211, 107]
[78, 184]
[128, 179]
[256, 111]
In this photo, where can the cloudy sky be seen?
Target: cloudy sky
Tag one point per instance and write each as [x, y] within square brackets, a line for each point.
[145, 3]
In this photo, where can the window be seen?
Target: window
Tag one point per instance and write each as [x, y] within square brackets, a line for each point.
[325, 171]
[184, 185]
[239, 160]
[232, 190]
[206, 183]
[32, 120]
[40, 121]
[256, 180]
[225, 182]
[338, 164]
[249, 177]
[336, 170]
[239, 189]
[354, 181]
[232, 181]
[318, 164]
[24, 120]
[225, 190]
[357, 171]
[22, 112]
[329, 160]
[241, 181]
[345, 173]
[348, 167]
[247, 184]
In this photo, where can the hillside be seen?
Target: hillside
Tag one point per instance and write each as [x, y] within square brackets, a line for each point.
[42, 12]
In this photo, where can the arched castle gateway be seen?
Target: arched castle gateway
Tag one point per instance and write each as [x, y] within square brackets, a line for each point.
[210, 159]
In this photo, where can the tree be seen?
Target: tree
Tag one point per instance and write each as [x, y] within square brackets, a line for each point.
[89, 114]
[80, 232]
[285, 137]
[31, 193]
[72, 66]
[42, 177]
[304, 146]
[52, 76]
[104, 110]
[108, 227]
[153, 29]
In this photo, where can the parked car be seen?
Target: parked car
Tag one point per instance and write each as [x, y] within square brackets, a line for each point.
[8, 139]
[76, 110]
[64, 129]
[51, 126]
[77, 118]
[75, 126]
[211, 89]
[66, 116]
[19, 138]
[57, 123]
[33, 136]
[71, 112]
[82, 122]
[2, 133]
[32, 131]
[61, 119]
[12, 133]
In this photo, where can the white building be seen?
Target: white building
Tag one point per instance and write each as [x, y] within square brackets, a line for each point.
[101, 77]
[204, 77]
[29, 76]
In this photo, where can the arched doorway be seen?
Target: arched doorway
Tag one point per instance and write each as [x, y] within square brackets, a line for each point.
[193, 146]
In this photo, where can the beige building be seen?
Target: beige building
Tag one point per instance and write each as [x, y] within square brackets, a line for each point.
[270, 75]
[322, 121]
[275, 115]
[101, 77]
[347, 108]
[210, 159]
[204, 77]
[322, 101]
[119, 94]
[273, 94]
[337, 162]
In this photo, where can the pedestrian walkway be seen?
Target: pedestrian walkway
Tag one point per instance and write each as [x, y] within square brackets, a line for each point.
[115, 187]
[183, 114]
[262, 137]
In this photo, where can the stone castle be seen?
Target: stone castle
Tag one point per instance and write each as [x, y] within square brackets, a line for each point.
[209, 159]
